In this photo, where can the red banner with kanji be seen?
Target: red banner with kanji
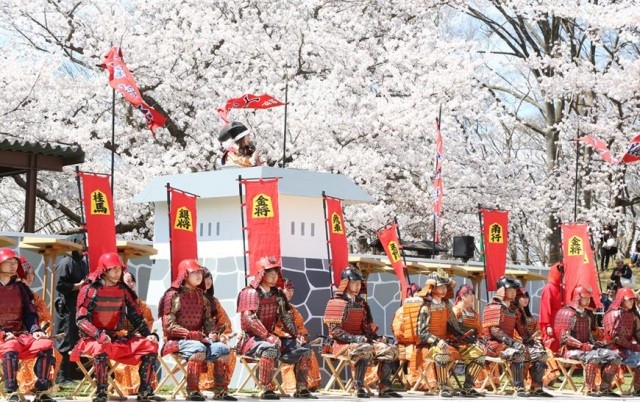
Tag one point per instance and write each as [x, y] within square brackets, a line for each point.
[389, 239]
[337, 237]
[121, 79]
[248, 101]
[495, 228]
[579, 263]
[183, 221]
[99, 216]
[262, 217]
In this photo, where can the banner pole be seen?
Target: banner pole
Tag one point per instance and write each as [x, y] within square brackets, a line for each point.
[435, 218]
[83, 224]
[575, 187]
[113, 136]
[244, 241]
[284, 141]
[404, 258]
[484, 259]
[170, 239]
[327, 222]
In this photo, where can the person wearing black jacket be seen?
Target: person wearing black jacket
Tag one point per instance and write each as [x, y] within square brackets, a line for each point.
[70, 274]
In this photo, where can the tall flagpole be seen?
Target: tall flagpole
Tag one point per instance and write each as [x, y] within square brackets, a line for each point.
[327, 223]
[437, 165]
[284, 137]
[113, 135]
[575, 187]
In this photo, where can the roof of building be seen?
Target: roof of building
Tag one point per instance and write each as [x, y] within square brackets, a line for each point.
[224, 183]
[14, 155]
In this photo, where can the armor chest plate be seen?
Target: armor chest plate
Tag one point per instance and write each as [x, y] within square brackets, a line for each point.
[508, 321]
[268, 312]
[108, 313]
[354, 319]
[625, 329]
[530, 325]
[438, 317]
[191, 310]
[469, 320]
[12, 309]
[582, 328]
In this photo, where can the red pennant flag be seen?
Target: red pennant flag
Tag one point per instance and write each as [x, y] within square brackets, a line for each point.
[633, 152]
[601, 148]
[183, 223]
[99, 216]
[389, 239]
[579, 264]
[337, 237]
[495, 228]
[263, 220]
[248, 101]
[438, 190]
[121, 79]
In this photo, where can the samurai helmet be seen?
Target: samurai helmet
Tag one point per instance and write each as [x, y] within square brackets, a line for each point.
[622, 295]
[579, 292]
[503, 284]
[7, 254]
[350, 273]
[438, 278]
[266, 263]
[233, 131]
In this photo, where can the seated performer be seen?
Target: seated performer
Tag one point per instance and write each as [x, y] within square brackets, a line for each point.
[353, 333]
[500, 323]
[288, 376]
[126, 375]
[26, 377]
[572, 326]
[189, 328]
[21, 336]
[622, 330]
[261, 305]
[529, 334]
[438, 329]
[218, 373]
[242, 151]
[104, 302]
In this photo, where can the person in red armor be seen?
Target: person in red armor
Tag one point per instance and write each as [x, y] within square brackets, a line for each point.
[551, 301]
[261, 305]
[21, 336]
[103, 303]
[189, 329]
[622, 330]
[500, 324]
[572, 327]
[353, 332]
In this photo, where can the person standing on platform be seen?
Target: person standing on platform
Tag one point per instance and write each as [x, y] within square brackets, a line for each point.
[70, 275]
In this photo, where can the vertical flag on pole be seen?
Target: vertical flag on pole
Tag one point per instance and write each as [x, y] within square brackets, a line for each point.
[437, 183]
[389, 239]
[121, 79]
[579, 264]
[182, 228]
[99, 216]
[337, 237]
[495, 228]
[262, 220]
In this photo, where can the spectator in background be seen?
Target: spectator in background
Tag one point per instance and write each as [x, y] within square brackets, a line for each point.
[620, 271]
[610, 296]
[635, 254]
[608, 247]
